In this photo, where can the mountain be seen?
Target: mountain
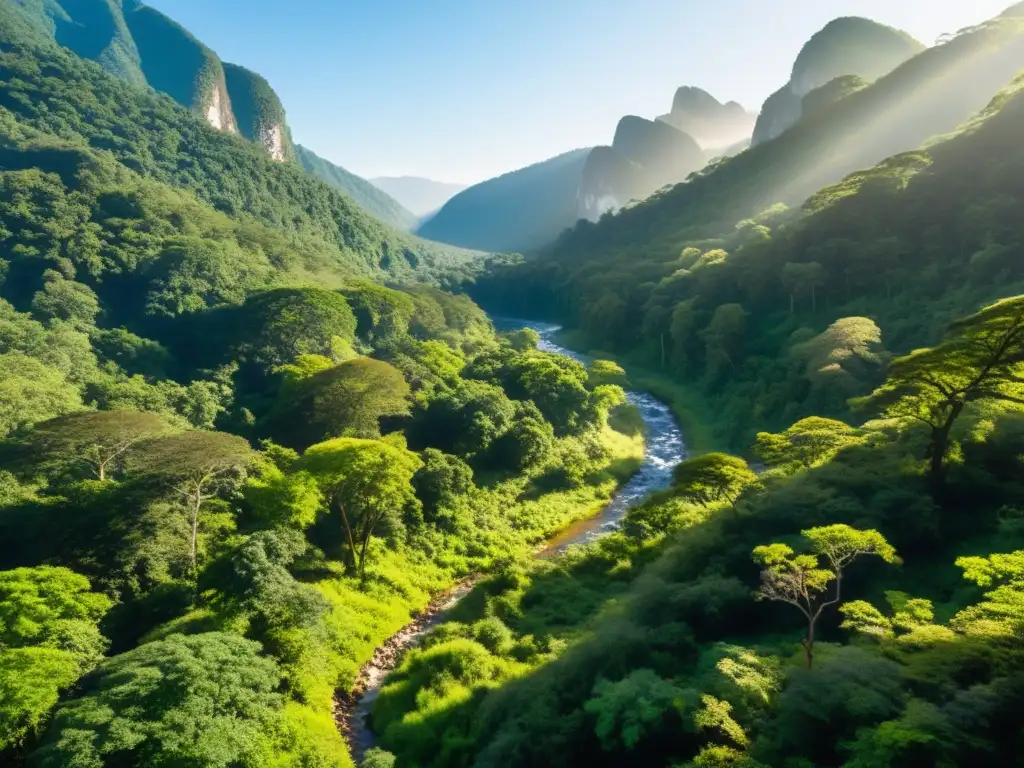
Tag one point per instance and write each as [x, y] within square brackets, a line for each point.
[518, 211]
[366, 195]
[143, 46]
[280, 217]
[644, 156]
[721, 239]
[711, 123]
[420, 196]
[845, 46]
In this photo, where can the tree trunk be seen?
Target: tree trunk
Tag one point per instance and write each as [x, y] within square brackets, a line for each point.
[362, 558]
[103, 472]
[197, 504]
[808, 644]
[663, 351]
[939, 446]
[350, 540]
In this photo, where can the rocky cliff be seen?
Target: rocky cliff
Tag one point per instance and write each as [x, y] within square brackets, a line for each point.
[259, 111]
[846, 46]
[711, 123]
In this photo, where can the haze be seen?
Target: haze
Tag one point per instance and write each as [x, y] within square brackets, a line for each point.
[461, 91]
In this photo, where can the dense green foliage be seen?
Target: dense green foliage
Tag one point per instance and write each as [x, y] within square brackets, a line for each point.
[518, 211]
[374, 201]
[791, 312]
[258, 110]
[232, 570]
[651, 647]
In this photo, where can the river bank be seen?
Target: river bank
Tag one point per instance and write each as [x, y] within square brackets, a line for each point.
[664, 448]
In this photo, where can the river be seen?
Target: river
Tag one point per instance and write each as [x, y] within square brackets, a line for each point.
[664, 448]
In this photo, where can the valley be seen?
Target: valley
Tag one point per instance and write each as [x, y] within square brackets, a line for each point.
[287, 479]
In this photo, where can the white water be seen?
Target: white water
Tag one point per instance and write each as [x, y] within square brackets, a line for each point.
[664, 448]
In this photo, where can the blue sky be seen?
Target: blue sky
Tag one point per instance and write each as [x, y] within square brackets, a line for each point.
[461, 90]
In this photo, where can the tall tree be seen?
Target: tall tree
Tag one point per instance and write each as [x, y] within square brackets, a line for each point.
[100, 439]
[802, 580]
[980, 358]
[368, 483]
[198, 465]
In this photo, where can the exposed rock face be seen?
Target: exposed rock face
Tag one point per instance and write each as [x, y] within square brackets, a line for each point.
[146, 47]
[218, 110]
[645, 156]
[259, 111]
[712, 124]
[846, 46]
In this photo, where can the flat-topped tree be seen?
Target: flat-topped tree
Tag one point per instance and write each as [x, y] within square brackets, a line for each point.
[803, 580]
[980, 358]
[713, 478]
[368, 483]
[198, 466]
[809, 442]
[100, 439]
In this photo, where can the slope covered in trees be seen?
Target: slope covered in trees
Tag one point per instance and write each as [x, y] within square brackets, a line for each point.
[757, 311]
[63, 115]
[846, 46]
[366, 195]
[518, 211]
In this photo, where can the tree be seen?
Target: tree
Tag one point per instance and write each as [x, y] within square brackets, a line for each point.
[31, 392]
[48, 639]
[278, 326]
[809, 442]
[66, 300]
[724, 336]
[199, 466]
[207, 699]
[368, 483]
[712, 478]
[254, 578]
[100, 439]
[803, 280]
[605, 372]
[347, 400]
[441, 480]
[980, 358]
[845, 357]
[803, 580]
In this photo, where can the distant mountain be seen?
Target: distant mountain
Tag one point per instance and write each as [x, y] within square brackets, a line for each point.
[644, 156]
[518, 211]
[845, 46]
[529, 208]
[145, 47]
[421, 196]
[712, 124]
[371, 199]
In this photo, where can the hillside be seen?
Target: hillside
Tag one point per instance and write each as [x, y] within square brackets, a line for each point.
[153, 137]
[138, 43]
[846, 46]
[423, 197]
[885, 243]
[517, 211]
[364, 193]
[927, 96]
[645, 155]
